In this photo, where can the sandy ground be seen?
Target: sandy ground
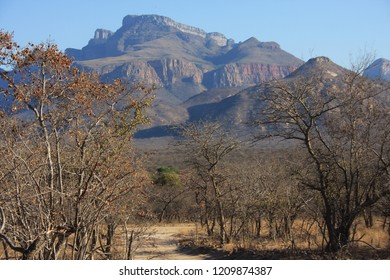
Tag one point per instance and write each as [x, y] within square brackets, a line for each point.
[163, 244]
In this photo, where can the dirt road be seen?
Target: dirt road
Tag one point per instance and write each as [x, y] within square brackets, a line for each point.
[163, 244]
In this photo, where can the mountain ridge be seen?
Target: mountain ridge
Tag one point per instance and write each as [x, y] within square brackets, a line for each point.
[181, 59]
[136, 30]
[238, 109]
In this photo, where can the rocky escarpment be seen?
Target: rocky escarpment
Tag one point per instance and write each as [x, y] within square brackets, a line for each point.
[136, 30]
[179, 58]
[172, 70]
[167, 72]
[161, 72]
[245, 74]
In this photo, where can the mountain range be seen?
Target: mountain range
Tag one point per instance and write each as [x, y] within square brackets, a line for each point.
[237, 109]
[181, 60]
[198, 75]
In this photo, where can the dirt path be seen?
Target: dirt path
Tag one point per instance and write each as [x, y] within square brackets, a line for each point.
[163, 244]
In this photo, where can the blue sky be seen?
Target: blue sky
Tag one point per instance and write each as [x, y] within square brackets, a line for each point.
[339, 29]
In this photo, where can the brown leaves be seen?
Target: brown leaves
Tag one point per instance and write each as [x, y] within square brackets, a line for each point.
[69, 163]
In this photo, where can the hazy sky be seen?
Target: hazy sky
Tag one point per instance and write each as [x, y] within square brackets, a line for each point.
[339, 29]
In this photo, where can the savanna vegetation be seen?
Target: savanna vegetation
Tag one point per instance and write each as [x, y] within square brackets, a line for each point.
[74, 184]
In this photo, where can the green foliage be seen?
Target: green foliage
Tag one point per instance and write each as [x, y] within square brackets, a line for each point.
[167, 176]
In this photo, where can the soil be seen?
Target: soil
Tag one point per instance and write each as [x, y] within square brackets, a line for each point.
[165, 244]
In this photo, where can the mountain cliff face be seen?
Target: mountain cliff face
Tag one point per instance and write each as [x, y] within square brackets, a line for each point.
[181, 59]
[238, 109]
[241, 74]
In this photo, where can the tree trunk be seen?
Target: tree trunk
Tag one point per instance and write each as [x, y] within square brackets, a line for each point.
[368, 217]
[338, 237]
[222, 230]
[129, 248]
[258, 227]
[272, 230]
[109, 237]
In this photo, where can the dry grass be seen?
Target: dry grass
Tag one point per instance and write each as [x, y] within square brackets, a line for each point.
[163, 241]
[306, 242]
[376, 236]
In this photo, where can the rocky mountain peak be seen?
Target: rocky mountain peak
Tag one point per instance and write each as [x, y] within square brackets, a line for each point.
[101, 37]
[321, 64]
[157, 22]
[320, 60]
[379, 69]
[180, 59]
[161, 21]
[252, 42]
[140, 29]
[381, 61]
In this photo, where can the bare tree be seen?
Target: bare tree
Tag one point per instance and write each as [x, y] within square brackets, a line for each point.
[208, 147]
[343, 126]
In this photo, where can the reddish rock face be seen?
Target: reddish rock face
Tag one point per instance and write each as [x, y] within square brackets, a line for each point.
[167, 72]
[246, 74]
[173, 70]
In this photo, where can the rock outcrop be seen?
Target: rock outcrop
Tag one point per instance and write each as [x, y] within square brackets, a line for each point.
[172, 70]
[245, 74]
